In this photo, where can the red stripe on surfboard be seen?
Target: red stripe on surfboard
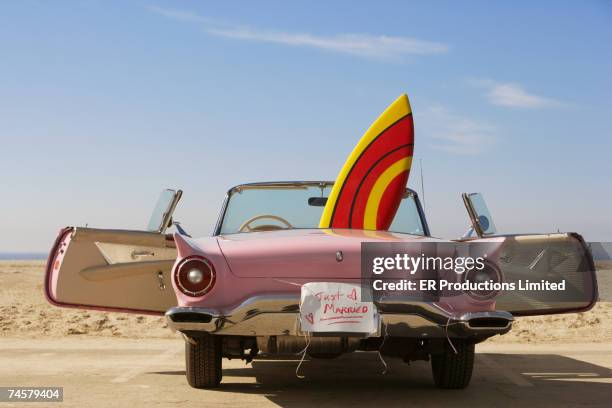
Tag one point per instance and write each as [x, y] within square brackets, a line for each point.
[401, 133]
[361, 198]
[391, 200]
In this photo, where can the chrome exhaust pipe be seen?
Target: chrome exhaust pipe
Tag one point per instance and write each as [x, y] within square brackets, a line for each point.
[496, 321]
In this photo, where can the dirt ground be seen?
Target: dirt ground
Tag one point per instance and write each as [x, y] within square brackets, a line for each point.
[101, 372]
[126, 360]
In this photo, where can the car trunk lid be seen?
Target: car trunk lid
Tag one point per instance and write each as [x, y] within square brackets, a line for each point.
[301, 253]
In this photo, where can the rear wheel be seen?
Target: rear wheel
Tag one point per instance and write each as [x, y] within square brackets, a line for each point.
[203, 361]
[454, 370]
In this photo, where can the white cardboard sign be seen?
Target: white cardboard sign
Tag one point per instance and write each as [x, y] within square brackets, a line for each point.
[336, 307]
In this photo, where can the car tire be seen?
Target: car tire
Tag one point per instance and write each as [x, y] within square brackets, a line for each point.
[203, 361]
[454, 370]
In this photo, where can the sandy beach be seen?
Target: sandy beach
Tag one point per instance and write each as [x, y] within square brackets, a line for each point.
[25, 312]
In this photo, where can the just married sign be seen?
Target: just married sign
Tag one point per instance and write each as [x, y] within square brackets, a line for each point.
[336, 307]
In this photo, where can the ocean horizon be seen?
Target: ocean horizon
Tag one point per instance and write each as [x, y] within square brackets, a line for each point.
[22, 256]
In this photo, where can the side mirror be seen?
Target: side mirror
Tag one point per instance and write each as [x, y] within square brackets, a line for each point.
[161, 218]
[482, 222]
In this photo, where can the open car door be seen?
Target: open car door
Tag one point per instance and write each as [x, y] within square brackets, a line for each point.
[559, 258]
[119, 270]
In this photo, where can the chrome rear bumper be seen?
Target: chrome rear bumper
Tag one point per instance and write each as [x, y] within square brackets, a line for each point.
[279, 315]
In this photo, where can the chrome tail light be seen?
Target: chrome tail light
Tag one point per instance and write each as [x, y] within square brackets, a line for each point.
[195, 276]
[490, 273]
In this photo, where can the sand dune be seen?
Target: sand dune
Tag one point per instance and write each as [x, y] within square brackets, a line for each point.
[25, 312]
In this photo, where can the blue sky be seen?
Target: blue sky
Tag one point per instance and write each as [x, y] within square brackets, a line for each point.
[104, 103]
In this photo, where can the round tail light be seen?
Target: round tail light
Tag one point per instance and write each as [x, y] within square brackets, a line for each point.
[195, 276]
[491, 273]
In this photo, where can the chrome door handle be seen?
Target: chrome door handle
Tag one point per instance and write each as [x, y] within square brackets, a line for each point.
[136, 254]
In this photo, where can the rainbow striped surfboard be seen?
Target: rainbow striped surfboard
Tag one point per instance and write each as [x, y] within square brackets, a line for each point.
[371, 184]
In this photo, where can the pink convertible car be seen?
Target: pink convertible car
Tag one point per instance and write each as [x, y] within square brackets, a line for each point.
[237, 293]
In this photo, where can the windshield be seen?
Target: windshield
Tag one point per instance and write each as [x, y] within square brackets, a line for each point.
[267, 207]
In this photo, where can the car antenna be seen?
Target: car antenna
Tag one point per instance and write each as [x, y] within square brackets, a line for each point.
[422, 185]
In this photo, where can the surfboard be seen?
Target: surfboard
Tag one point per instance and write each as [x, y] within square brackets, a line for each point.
[372, 181]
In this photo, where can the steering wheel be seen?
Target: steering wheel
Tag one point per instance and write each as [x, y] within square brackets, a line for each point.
[246, 226]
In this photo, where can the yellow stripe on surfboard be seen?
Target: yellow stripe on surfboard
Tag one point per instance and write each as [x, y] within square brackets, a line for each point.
[371, 210]
[397, 110]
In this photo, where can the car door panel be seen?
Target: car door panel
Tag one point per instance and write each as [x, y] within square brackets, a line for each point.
[538, 258]
[554, 258]
[111, 270]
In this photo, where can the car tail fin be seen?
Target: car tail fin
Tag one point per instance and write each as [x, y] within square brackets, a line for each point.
[186, 246]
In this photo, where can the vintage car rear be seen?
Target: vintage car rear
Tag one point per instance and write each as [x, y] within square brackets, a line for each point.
[237, 293]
